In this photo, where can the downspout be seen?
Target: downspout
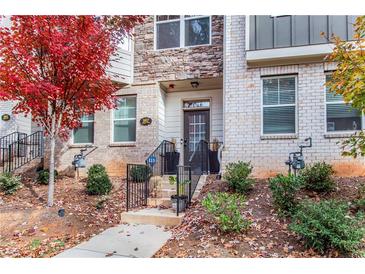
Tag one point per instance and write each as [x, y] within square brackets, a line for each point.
[220, 150]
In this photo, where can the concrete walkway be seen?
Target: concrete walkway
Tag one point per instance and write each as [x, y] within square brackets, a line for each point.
[122, 241]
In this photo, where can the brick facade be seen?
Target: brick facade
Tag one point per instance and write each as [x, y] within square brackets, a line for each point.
[242, 108]
[115, 156]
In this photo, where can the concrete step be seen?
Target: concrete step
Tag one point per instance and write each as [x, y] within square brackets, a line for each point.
[165, 193]
[166, 202]
[153, 216]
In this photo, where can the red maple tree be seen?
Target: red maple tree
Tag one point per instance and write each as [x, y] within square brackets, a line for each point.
[54, 67]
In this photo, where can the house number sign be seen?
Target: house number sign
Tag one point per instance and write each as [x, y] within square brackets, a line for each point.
[145, 121]
[5, 117]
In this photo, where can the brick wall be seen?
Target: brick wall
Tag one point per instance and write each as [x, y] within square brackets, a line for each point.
[115, 157]
[242, 104]
[176, 64]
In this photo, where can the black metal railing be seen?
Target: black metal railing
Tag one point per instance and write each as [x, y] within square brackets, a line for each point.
[199, 162]
[138, 176]
[164, 159]
[215, 157]
[22, 151]
[184, 189]
[5, 141]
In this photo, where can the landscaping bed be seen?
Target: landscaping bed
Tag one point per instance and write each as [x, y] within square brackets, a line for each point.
[29, 229]
[268, 235]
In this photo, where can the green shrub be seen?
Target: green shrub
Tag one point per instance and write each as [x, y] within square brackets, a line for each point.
[326, 225]
[9, 184]
[98, 182]
[140, 173]
[317, 177]
[237, 176]
[360, 201]
[225, 208]
[284, 189]
[43, 176]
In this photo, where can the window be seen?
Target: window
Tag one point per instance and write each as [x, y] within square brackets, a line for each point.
[124, 120]
[196, 104]
[126, 43]
[174, 31]
[279, 105]
[339, 115]
[85, 133]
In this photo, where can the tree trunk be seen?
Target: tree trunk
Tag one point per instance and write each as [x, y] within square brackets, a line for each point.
[52, 163]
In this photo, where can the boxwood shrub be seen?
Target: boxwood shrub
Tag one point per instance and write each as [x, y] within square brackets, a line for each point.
[317, 177]
[284, 189]
[9, 183]
[328, 225]
[225, 209]
[43, 176]
[237, 175]
[98, 182]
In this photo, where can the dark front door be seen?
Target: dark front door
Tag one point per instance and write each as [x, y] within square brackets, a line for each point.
[196, 128]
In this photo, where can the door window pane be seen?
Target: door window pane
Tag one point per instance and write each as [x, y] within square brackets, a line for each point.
[197, 31]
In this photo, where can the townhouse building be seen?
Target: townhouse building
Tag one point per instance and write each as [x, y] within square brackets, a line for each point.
[253, 87]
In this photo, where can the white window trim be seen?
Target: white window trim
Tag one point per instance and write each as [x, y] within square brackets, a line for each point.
[336, 132]
[281, 105]
[112, 142]
[73, 132]
[182, 20]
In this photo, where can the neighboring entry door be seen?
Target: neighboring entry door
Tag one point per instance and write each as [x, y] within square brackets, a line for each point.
[196, 128]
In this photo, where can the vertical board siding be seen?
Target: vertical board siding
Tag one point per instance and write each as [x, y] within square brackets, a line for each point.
[317, 24]
[297, 30]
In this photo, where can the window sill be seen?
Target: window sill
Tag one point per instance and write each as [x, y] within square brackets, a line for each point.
[279, 137]
[131, 144]
[329, 135]
[80, 145]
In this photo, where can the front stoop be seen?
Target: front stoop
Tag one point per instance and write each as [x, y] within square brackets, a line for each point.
[153, 216]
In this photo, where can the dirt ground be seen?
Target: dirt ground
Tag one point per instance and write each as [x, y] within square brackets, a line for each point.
[268, 235]
[29, 229]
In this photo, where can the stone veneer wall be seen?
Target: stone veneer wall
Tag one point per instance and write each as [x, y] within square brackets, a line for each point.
[115, 156]
[242, 117]
[175, 64]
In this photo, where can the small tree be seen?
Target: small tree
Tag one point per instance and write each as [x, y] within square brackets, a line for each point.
[348, 80]
[54, 67]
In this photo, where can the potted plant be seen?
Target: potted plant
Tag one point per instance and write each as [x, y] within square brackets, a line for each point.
[182, 198]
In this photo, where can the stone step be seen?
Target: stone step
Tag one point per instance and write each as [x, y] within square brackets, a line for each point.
[166, 202]
[153, 216]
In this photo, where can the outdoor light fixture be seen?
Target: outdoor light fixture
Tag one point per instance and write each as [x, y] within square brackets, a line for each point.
[171, 86]
[194, 84]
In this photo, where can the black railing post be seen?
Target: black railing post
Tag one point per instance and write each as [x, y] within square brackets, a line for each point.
[10, 156]
[190, 194]
[146, 183]
[177, 190]
[127, 202]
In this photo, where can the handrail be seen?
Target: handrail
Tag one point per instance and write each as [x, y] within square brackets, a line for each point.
[164, 141]
[10, 138]
[163, 159]
[23, 151]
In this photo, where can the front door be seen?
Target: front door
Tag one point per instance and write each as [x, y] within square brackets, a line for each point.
[196, 128]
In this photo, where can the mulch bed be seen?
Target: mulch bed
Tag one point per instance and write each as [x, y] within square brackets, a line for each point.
[29, 229]
[268, 235]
